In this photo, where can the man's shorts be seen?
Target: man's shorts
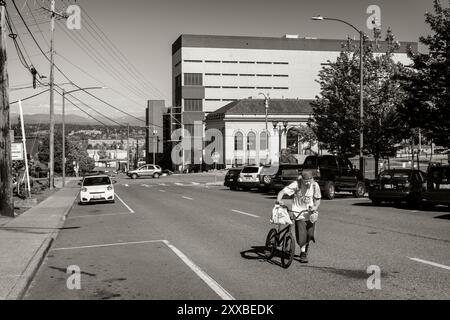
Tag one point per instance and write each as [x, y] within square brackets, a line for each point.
[304, 232]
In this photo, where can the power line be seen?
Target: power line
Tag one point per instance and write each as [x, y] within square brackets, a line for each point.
[30, 97]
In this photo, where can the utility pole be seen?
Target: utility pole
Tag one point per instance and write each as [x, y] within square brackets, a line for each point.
[128, 147]
[63, 138]
[6, 187]
[52, 101]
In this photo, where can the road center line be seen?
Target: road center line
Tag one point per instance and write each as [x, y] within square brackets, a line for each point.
[225, 295]
[145, 185]
[187, 198]
[162, 190]
[162, 184]
[129, 209]
[430, 263]
[179, 184]
[247, 214]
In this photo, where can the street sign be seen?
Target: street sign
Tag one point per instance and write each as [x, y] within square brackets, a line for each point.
[215, 157]
[17, 151]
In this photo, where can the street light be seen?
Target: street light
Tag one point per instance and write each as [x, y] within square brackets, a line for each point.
[64, 128]
[155, 132]
[266, 103]
[361, 98]
[282, 128]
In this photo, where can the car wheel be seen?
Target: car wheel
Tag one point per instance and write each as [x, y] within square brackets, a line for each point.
[360, 190]
[329, 190]
[134, 176]
[156, 176]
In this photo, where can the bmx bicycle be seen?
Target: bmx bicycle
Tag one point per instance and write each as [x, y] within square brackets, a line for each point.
[282, 238]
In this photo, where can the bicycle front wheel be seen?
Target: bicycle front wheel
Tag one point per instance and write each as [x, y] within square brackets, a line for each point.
[288, 250]
[271, 243]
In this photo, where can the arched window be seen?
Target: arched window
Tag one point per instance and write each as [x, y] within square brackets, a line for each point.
[263, 141]
[251, 141]
[238, 141]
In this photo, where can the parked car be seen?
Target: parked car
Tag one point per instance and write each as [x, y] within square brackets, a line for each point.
[286, 174]
[231, 178]
[335, 174]
[248, 177]
[147, 170]
[96, 188]
[265, 177]
[438, 186]
[398, 185]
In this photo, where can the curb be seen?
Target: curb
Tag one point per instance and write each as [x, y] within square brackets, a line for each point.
[26, 278]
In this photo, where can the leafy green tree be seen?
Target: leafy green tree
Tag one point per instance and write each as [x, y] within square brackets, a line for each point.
[427, 83]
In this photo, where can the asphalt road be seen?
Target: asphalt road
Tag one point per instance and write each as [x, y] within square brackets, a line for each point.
[180, 238]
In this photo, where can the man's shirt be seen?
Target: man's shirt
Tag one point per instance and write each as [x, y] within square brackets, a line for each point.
[303, 196]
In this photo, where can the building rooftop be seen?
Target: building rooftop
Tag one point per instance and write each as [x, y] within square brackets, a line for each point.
[257, 106]
[272, 43]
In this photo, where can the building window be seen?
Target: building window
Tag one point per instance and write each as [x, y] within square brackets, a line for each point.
[281, 63]
[280, 75]
[212, 74]
[263, 141]
[212, 61]
[193, 60]
[193, 79]
[229, 61]
[247, 75]
[281, 88]
[263, 62]
[238, 141]
[229, 74]
[229, 87]
[263, 87]
[229, 99]
[248, 62]
[212, 99]
[264, 75]
[178, 90]
[193, 105]
[246, 87]
[251, 141]
[212, 87]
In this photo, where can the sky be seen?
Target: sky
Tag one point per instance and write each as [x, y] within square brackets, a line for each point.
[144, 30]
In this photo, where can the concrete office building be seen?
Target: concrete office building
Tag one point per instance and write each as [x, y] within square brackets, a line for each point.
[209, 72]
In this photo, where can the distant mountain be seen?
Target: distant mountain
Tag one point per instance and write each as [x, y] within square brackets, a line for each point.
[74, 119]
[45, 118]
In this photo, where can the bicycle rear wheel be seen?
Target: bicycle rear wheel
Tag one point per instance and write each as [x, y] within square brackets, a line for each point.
[271, 243]
[287, 251]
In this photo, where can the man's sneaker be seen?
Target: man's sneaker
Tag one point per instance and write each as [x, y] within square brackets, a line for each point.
[303, 257]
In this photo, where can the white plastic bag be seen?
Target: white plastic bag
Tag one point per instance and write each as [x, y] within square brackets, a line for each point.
[280, 215]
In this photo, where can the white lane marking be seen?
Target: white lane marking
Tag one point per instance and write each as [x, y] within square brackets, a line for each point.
[162, 184]
[145, 185]
[217, 288]
[162, 190]
[129, 209]
[179, 184]
[247, 214]
[225, 295]
[195, 183]
[99, 215]
[431, 263]
[126, 185]
[106, 245]
[187, 198]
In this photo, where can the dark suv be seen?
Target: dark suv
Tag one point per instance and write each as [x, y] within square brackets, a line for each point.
[277, 176]
[231, 178]
[335, 174]
[438, 186]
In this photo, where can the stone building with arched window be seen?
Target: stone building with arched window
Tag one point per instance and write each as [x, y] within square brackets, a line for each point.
[243, 125]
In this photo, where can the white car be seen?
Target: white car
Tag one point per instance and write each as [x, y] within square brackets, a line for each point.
[148, 170]
[96, 188]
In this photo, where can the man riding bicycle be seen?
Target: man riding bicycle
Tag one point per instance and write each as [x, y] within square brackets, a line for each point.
[307, 197]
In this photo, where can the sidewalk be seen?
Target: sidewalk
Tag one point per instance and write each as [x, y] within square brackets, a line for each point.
[25, 240]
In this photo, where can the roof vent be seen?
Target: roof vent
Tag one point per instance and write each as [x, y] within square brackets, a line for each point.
[290, 36]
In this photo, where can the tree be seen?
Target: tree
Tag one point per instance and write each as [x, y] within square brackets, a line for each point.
[427, 83]
[336, 112]
[305, 135]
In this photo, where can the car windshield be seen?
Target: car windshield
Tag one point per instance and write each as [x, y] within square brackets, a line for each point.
[398, 176]
[96, 181]
[250, 170]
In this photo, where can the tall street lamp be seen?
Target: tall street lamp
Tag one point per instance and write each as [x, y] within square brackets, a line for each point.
[281, 128]
[155, 132]
[64, 128]
[266, 104]
[361, 97]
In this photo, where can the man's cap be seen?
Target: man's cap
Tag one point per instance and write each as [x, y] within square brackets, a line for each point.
[307, 175]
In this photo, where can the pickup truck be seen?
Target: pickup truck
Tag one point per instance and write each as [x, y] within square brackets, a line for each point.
[335, 174]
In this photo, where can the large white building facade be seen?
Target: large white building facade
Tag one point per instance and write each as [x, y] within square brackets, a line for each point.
[209, 72]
